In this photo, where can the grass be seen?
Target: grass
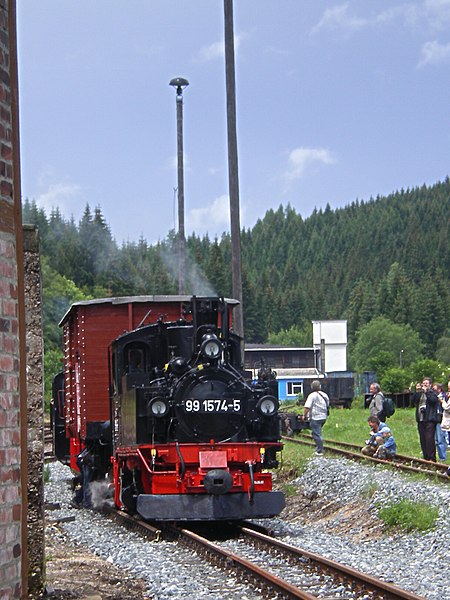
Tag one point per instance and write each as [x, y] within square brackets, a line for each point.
[369, 490]
[409, 516]
[350, 425]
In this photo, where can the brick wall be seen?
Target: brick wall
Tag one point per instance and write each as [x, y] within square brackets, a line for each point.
[12, 545]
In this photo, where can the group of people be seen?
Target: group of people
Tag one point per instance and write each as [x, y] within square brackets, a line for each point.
[432, 405]
[433, 418]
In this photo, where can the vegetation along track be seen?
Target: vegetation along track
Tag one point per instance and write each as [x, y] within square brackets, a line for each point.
[299, 573]
[401, 462]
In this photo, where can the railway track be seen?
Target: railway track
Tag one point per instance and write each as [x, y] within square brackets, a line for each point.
[401, 462]
[272, 566]
[48, 444]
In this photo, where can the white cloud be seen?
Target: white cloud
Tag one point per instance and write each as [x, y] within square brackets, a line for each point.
[438, 12]
[433, 53]
[302, 158]
[214, 219]
[338, 17]
[434, 14]
[62, 195]
[278, 50]
[217, 49]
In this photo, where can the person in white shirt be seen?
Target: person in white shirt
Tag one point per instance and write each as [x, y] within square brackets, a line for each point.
[316, 412]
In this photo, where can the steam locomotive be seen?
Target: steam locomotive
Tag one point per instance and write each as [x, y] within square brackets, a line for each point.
[153, 388]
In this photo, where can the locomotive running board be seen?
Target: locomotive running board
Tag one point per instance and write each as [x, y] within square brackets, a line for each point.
[206, 507]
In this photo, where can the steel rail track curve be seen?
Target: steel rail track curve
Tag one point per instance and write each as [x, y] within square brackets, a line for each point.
[355, 580]
[360, 584]
[400, 462]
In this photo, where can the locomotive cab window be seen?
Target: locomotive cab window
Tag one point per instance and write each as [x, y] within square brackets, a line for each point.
[135, 359]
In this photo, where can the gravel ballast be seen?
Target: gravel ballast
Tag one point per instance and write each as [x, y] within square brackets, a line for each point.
[418, 562]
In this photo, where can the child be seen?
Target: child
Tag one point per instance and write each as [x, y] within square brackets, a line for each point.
[375, 440]
[388, 448]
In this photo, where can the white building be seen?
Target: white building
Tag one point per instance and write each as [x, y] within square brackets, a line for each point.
[330, 338]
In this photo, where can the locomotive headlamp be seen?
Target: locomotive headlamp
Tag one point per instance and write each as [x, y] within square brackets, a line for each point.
[267, 405]
[211, 347]
[159, 407]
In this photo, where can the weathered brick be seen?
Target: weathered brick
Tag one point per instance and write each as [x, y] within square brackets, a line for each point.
[6, 151]
[7, 269]
[5, 592]
[9, 474]
[12, 456]
[5, 514]
[5, 113]
[6, 189]
[12, 571]
[17, 512]
[12, 383]
[5, 400]
[6, 363]
[9, 308]
[12, 418]
[12, 532]
[10, 345]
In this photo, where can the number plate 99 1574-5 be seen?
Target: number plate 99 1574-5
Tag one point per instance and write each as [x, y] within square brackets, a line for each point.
[213, 405]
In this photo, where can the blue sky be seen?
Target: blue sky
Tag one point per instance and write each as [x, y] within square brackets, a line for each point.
[335, 101]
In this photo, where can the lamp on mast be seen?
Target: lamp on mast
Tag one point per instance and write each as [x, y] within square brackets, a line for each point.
[179, 83]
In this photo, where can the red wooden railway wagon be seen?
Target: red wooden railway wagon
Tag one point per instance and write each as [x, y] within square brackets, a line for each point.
[88, 329]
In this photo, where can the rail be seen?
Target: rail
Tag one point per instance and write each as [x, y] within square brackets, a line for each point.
[314, 571]
[401, 462]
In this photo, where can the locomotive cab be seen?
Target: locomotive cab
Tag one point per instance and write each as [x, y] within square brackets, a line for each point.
[193, 438]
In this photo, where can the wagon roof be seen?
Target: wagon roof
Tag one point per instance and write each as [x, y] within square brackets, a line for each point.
[136, 299]
[275, 347]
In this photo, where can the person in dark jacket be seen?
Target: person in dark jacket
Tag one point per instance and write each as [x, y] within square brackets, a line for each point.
[426, 402]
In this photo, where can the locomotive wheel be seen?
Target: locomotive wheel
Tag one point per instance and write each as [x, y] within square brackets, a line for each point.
[128, 491]
[129, 498]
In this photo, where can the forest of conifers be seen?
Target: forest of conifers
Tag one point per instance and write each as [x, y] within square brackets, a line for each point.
[389, 256]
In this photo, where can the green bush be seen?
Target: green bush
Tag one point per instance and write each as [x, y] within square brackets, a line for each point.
[409, 516]
[395, 380]
[427, 367]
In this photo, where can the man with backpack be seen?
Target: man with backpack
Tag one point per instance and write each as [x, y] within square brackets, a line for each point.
[376, 406]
